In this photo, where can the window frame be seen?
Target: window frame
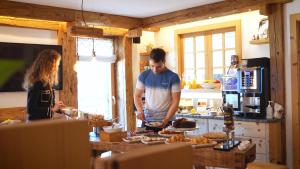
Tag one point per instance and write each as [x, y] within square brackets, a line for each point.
[207, 31]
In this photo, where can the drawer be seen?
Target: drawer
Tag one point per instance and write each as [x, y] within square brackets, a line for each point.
[250, 129]
[261, 158]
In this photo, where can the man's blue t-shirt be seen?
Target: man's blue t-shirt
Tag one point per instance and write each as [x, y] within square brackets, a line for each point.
[158, 92]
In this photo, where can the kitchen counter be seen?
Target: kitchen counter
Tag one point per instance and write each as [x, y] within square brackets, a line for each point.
[198, 116]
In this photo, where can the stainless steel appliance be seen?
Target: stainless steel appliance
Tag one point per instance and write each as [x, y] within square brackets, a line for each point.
[254, 87]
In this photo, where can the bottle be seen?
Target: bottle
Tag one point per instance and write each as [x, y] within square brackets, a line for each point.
[269, 111]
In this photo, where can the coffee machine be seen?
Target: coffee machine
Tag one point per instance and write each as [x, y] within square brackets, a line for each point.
[254, 87]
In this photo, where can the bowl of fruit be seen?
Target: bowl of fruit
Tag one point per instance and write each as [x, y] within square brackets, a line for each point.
[211, 84]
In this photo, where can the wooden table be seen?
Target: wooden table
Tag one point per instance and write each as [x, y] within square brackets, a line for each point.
[203, 156]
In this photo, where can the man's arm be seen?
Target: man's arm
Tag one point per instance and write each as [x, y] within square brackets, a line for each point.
[139, 103]
[173, 108]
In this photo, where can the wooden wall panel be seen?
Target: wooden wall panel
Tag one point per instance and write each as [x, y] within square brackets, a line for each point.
[15, 113]
[69, 93]
[295, 81]
[277, 65]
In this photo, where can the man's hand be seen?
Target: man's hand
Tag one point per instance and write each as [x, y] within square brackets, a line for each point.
[140, 116]
[164, 123]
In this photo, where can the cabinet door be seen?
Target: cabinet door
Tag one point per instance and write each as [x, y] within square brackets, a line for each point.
[202, 125]
[215, 125]
[261, 146]
[261, 158]
[250, 129]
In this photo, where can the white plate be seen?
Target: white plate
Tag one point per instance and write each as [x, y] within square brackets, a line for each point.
[152, 142]
[187, 140]
[133, 139]
[212, 143]
[167, 135]
[146, 141]
[170, 128]
[153, 124]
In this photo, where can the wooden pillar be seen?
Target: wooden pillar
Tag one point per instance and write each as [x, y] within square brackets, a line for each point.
[69, 93]
[295, 81]
[124, 53]
[276, 32]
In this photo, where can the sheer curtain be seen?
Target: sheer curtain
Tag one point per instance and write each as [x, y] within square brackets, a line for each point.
[94, 76]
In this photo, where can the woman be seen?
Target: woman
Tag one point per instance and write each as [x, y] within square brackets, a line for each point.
[39, 80]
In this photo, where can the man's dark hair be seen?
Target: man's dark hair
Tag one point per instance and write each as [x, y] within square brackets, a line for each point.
[158, 54]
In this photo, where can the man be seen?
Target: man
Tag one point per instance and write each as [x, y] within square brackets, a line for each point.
[162, 91]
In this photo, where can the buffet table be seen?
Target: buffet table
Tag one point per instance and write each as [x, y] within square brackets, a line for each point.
[203, 156]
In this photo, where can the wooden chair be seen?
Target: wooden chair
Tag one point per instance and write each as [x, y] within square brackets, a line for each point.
[175, 156]
[49, 144]
[260, 165]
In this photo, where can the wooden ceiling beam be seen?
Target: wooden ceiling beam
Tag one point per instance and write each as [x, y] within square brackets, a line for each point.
[33, 11]
[218, 9]
[31, 23]
[79, 31]
[54, 25]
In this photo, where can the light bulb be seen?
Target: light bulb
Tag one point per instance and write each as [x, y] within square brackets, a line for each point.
[94, 56]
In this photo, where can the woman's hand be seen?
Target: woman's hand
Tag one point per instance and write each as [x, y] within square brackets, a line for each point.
[58, 106]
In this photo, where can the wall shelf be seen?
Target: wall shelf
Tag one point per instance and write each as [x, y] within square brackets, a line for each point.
[259, 41]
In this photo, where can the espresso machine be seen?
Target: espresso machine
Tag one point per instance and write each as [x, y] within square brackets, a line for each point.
[254, 87]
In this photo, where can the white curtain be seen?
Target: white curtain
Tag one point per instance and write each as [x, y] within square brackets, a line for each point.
[103, 48]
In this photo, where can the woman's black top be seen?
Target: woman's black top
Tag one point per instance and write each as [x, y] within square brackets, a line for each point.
[40, 100]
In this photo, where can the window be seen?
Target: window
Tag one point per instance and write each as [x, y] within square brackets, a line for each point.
[205, 52]
[94, 76]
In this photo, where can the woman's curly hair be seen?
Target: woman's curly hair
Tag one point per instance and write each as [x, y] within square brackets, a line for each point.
[43, 69]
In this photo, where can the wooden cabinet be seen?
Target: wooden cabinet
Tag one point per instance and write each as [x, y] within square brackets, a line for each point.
[266, 136]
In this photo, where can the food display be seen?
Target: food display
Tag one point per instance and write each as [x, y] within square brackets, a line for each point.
[133, 139]
[215, 135]
[98, 121]
[113, 128]
[153, 140]
[177, 138]
[184, 123]
[168, 133]
[200, 140]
